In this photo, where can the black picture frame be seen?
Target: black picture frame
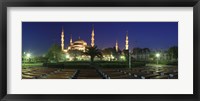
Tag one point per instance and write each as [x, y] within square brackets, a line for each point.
[98, 3]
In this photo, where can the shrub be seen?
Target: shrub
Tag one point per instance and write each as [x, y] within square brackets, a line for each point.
[86, 64]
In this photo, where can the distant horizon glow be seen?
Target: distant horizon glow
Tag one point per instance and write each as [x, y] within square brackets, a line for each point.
[37, 37]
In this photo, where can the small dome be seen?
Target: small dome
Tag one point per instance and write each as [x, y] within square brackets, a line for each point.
[79, 41]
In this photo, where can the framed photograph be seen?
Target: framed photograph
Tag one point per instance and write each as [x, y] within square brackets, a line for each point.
[102, 50]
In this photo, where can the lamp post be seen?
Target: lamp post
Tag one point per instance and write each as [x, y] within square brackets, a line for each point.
[28, 55]
[158, 56]
[129, 54]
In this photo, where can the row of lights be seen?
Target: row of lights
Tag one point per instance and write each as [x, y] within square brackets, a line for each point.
[111, 56]
[28, 55]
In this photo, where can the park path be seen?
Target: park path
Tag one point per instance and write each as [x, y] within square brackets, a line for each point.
[88, 74]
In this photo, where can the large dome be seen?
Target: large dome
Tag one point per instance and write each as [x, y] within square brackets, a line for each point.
[78, 45]
[79, 42]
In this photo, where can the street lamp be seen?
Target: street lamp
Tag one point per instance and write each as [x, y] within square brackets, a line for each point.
[28, 55]
[129, 54]
[158, 56]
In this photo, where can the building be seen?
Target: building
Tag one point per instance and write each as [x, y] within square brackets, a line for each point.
[76, 45]
[82, 45]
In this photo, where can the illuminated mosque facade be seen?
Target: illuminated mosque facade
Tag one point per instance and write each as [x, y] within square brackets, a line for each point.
[82, 45]
[76, 45]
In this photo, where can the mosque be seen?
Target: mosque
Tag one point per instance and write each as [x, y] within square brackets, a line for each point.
[82, 45]
[76, 45]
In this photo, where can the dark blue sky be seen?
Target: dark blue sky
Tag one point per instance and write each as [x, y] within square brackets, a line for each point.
[39, 36]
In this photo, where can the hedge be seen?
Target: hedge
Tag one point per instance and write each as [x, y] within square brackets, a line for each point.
[112, 64]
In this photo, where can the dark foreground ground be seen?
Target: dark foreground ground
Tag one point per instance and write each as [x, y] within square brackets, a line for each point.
[146, 72]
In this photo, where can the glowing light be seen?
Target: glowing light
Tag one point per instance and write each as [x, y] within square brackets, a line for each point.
[67, 56]
[112, 57]
[28, 55]
[157, 55]
[122, 57]
[70, 59]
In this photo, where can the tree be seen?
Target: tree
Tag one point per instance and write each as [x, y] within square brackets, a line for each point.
[142, 52]
[126, 54]
[54, 53]
[93, 52]
[136, 51]
[107, 51]
[146, 51]
[111, 51]
[173, 52]
[40, 59]
[75, 53]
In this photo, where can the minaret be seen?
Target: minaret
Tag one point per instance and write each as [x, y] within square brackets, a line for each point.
[92, 38]
[62, 39]
[126, 45]
[116, 46]
[71, 39]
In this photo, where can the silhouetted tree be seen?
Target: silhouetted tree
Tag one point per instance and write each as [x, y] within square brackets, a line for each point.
[75, 53]
[173, 52]
[111, 51]
[93, 52]
[146, 51]
[54, 53]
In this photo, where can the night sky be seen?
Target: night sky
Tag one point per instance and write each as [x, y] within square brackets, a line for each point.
[37, 37]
